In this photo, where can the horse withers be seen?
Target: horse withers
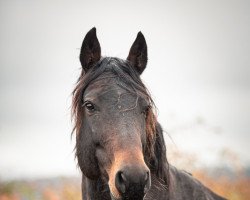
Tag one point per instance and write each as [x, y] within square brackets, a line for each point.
[119, 143]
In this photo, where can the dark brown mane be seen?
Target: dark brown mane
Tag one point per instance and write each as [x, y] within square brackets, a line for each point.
[126, 77]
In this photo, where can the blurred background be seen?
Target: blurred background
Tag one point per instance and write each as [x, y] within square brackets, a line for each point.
[198, 74]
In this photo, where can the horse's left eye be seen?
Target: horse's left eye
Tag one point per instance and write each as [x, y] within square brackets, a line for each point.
[89, 106]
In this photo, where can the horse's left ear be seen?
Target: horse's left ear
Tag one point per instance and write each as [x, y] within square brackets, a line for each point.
[138, 54]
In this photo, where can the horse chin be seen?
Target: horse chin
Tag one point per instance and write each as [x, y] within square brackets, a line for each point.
[115, 198]
[124, 198]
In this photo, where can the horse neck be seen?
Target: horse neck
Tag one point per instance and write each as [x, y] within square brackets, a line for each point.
[94, 189]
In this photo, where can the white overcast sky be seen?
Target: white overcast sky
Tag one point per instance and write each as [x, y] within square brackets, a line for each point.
[198, 73]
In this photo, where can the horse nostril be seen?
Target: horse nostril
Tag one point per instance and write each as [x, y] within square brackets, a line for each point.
[147, 182]
[130, 181]
[120, 181]
[146, 177]
[123, 177]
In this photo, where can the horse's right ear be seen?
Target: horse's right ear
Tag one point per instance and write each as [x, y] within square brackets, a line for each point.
[90, 50]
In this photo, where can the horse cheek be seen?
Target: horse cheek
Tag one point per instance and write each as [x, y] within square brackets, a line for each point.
[86, 157]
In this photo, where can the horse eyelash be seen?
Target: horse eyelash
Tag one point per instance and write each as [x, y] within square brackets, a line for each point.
[85, 102]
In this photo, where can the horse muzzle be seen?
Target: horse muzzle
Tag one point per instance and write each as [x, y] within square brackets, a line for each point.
[131, 182]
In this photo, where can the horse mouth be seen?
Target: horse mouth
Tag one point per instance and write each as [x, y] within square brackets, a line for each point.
[125, 197]
[115, 198]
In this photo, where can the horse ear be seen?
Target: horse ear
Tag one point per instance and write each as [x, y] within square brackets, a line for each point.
[138, 55]
[90, 50]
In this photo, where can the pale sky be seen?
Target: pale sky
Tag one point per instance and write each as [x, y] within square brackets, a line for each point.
[198, 73]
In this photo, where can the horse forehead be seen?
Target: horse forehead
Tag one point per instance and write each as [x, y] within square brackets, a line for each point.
[108, 86]
[104, 89]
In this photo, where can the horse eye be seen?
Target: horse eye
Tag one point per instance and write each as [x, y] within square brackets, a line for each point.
[89, 106]
[144, 114]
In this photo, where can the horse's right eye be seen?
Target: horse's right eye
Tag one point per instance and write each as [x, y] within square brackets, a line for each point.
[145, 111]
[89, 106]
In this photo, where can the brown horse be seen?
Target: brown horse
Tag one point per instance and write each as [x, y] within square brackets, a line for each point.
[119, 143]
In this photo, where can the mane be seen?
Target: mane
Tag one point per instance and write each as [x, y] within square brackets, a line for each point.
[128, 78]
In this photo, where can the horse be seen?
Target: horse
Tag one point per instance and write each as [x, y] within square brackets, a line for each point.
[120, 146]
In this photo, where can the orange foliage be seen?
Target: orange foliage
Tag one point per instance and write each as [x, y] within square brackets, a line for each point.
[8, 197]
[49, 194]
[231, 188]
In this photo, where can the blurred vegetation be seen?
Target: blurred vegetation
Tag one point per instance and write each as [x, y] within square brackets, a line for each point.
[50, 189]
[231, 180]
[232, 186]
